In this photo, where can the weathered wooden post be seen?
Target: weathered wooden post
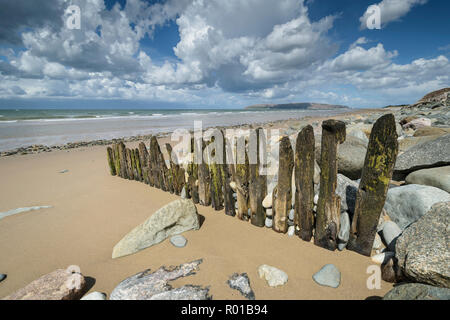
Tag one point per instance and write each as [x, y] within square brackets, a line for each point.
[282, 194]
[123, 160]
[110, 155]
[376, 174]
[177, 171]
[304, 182]
[329, 205]
[204, 179]
[241, 177]
[228, 198]
[216, 169]
[129, 164]
[155, 163]
[137, 165]
[143, 159]
[257, 182]
[117, 159]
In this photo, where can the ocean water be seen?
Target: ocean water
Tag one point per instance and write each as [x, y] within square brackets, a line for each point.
[25, 127]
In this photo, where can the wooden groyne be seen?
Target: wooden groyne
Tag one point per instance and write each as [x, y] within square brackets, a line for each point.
[238, 187]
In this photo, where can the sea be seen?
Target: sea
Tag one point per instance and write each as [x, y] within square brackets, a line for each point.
[26, 127]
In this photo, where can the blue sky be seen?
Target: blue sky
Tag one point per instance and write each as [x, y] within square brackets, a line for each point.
[221, 54]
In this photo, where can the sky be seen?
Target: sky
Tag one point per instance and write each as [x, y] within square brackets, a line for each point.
[220, 54]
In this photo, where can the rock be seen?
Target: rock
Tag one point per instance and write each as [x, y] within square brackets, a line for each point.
[316, 197]
[435, 177]
[329, 276]
[406, 204]
[346, 189]
[94, 296]
[382, 257]
[291, 231]
[410, 142]
[431, 131]
[269, 212]
[178, 241]
[2, 277]
[268, 223]
[64, 171]
[341, 246]
[358, 134]
[377, 243]
[61, 284]
[429, 154]
[422, 249]
[390, 272]
[241, 282]
[233, 186]
[344, 231]
[155, 285]
[274, 277]
[21, 210]
[417, 291]
[418, 123]
[175, 218]
[291, 214]
[316, 173]
[183, 193]
[390, 231]
[267, 202]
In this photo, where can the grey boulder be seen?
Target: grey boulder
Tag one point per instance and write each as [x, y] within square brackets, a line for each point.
[346, 189]
[422, 250]
[417, 291]
[406, 204]
[175, 218]
[435, 177]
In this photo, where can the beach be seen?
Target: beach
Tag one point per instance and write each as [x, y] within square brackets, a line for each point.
[92, 210]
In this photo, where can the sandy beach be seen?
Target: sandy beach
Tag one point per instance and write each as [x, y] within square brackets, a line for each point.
[92, 210]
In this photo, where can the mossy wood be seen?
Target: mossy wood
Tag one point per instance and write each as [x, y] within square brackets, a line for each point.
[257, 182]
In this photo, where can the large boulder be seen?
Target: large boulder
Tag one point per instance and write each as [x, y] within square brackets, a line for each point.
[431, 131]
[429, 154]
[155, 286]
[417, 291]
[406, 204]
[175, 218]
[61, 284]
[346, 189]
[422, 250]
[435, 177]
[409, 142]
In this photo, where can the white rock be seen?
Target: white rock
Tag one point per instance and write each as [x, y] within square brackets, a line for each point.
[183, 193]
[316, 198]
[291, 231]
[274, 277]
[315, 208]
[291, 214]
[382, 257]
[269, 212]
[269, 223]
[178, 241]
[233, 186]
[377, 243]
[344, 231]
[94, 296]
[267, 202]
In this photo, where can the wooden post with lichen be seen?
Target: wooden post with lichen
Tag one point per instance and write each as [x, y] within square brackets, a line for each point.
[304, 182]
[155, 163]
[110, 155]
[176, 171]
[376, 174]
[257, 182]
[204, 179]
[241, 179]
[329, 205]
[228, 199]
[123, 160]
[129, 164]
[282, 194]
[216, 149]
[143, 160]
[117, 159]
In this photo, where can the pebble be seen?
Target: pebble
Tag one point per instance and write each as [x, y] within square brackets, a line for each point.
[178, 241]
[291, 214]
[269, 223]
[267, 202]
[316, 198]
[183, 193]
[291, 231]
[274, 277]
[382, 257]
[233, 186]
[2, 277]
[390, 232]
[269, 212]
[64, 171]
[94, 296]
[328, 276]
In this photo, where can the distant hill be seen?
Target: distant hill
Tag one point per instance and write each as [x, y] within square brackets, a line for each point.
[435, 99]
[298, 105]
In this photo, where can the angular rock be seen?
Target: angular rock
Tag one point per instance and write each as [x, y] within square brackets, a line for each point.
[175, 218]
[346, 190]
[267, 202]
[417, 123]
[274, 277]
[304, 182]
[435, 153]
[378, 169]
[435, 177]
[344, 230]
[390, 231]
[328, 208]
[382, 257]
[268, 223]
[282, 195]
[417, 291]
[328, 276]
[61, 284]
[431, 131]
[155, 286]
[241, 282]
[406, 204]
[423, 249]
